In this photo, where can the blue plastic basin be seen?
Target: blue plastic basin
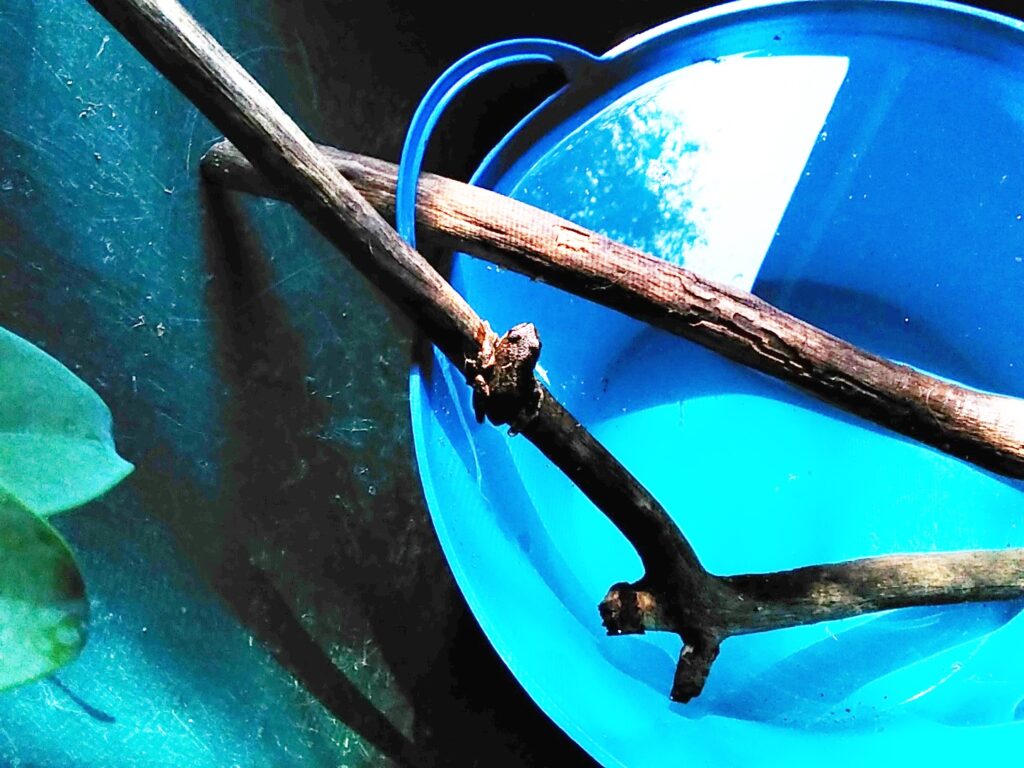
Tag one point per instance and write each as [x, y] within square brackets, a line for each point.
[861, 165]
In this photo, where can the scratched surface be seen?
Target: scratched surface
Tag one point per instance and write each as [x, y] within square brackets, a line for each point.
[266, 588]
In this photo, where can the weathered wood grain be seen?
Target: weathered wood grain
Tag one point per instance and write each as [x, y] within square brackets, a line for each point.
[984, 429]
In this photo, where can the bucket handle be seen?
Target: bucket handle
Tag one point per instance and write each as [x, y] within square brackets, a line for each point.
[573, 62]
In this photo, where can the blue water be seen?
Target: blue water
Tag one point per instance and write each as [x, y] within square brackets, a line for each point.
[872, 186]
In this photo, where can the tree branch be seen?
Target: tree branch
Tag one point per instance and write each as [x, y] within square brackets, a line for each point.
[676, 593]
[985, 429]
[764, 602]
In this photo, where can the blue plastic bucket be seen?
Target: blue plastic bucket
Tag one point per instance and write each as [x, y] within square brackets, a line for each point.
[861, 165]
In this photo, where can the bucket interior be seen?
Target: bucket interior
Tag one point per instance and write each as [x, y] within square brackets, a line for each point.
[865, 175]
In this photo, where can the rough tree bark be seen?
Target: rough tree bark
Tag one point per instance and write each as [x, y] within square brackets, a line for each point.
[985, 429]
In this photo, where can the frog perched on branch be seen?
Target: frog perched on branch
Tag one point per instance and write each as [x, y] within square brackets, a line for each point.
[676, 593]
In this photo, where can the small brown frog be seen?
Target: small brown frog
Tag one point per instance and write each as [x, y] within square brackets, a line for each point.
[504, 386]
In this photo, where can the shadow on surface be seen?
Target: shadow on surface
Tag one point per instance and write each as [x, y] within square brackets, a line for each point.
[272, 457]
[292, 504]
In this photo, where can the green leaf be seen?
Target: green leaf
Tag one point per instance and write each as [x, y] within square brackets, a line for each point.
[56, 447]
[43, 609]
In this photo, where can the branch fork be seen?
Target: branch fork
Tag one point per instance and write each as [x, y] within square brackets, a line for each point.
[762, 602]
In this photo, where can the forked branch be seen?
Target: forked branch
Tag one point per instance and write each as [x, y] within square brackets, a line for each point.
[677, 593]
[762, 602]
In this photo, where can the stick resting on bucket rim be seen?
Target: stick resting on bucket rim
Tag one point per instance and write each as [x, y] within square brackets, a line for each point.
[984, 429]
[676, 593]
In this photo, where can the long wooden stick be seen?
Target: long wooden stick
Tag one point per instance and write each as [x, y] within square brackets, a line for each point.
[676, 593]
[985, 429]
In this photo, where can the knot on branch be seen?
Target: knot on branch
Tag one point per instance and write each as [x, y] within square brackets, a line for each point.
[628, 609]
[633, 609]
[505, 389]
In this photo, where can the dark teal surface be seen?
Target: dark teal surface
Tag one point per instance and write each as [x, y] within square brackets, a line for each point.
[266, 589]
